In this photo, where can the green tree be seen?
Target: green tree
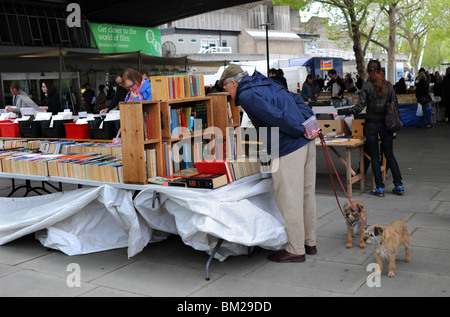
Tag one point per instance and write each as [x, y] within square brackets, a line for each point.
[427, 31]
[387, 33]
[437, 50]
[409, 20]
[355, 14]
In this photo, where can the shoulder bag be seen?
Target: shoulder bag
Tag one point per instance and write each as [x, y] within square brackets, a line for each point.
[393, 120]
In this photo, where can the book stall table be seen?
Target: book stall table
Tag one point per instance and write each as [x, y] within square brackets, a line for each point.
[224, 221]
[350, 145]
[102, 216]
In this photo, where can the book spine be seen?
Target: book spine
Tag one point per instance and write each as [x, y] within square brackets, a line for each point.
[200, 183]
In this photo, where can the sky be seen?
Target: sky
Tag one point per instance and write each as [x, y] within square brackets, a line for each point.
[305, 15]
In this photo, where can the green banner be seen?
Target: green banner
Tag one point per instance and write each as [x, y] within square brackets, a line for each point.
[122, 39]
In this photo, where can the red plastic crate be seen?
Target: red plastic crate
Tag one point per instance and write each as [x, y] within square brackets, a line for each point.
[76, 131]
[3, 122]
[10, 129]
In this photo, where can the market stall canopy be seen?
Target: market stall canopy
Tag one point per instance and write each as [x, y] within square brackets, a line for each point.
[144, 12]
[49, 59]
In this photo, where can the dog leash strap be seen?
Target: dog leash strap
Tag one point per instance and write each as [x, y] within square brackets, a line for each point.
[327, 155]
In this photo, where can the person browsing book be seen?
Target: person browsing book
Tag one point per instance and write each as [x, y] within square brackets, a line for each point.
[310, 89]
[139, 88]
[119, 95]
[51, 101]
[18, 102]
[373, 96]
[269, 105]
[336, 85]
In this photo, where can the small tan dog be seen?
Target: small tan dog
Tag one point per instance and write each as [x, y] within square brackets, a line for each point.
[387, 242]
[354, 223]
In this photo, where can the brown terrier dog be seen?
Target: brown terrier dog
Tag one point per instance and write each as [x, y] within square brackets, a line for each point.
[354, 223]
[387, 242]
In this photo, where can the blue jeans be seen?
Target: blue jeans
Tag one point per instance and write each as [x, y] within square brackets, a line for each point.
[375, 130]
[426, 118]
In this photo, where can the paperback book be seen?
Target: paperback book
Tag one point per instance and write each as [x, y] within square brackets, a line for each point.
[310, 125]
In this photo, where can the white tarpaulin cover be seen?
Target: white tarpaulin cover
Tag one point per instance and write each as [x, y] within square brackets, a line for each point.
[242, 213]
[80, 221]
[101, 218]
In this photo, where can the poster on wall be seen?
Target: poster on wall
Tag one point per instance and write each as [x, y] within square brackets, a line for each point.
[123, 39]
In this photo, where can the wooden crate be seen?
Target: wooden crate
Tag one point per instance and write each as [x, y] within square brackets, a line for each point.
[160, 90]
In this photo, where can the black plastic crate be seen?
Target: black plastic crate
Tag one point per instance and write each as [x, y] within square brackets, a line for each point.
[57, 131]
[30, 128]
[107, 132]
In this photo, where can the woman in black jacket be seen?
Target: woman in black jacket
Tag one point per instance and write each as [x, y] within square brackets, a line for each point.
[423, 97]
[400, 87]
[373, 96]
[51, 102]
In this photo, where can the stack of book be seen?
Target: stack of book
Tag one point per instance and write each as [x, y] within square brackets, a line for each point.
[88, 166]
[176, 87]
[148, 135]
[7, 154]
[189, 119]
[55, 147]
[194, 86]
[190, 177]
[13, 143]
[234, 169]
[89, 147]
[26, 162]
[176, 179]
[150, 158]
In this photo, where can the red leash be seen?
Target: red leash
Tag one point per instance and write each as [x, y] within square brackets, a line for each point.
[327, 155]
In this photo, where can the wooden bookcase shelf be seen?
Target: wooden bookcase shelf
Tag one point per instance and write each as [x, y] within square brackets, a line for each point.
[134, 144]
[224, 109]
[133, 140]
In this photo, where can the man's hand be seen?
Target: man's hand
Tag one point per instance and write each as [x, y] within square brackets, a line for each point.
[314, 134]
[335, 114]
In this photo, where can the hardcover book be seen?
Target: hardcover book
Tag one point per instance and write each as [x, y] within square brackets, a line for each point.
[206, 180]
[175, 180]
[216, 167]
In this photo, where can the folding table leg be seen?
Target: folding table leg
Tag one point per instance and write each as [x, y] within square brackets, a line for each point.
[219, 242]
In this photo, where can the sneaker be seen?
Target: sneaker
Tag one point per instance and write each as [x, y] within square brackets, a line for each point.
[399, 190]
[378, 191]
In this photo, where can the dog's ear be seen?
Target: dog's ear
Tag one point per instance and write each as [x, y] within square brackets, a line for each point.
[378, 231]
[359, 207]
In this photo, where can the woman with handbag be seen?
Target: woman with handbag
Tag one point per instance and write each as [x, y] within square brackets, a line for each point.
[375, 95]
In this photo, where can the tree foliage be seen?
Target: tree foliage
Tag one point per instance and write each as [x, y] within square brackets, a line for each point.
[355, 15]
[402, 21]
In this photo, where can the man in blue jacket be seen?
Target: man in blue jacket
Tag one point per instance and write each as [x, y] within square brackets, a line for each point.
[268, 104]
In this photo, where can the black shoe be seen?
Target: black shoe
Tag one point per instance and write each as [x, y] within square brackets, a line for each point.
[311, 250]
